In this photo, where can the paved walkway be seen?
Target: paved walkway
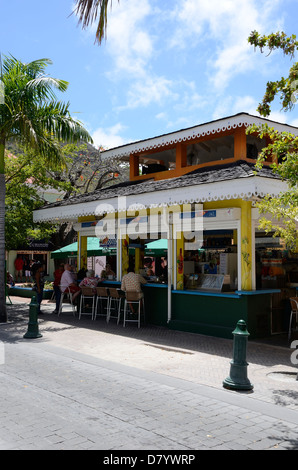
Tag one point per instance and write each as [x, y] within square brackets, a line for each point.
[89, 385]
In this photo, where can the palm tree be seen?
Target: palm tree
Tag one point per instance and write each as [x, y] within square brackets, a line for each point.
[89, 10]
[30, 113]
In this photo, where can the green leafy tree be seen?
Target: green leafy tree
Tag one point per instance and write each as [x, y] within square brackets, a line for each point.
[28, 181]
[283, 147]
[286, 86]
[31, 114]
[85, 172]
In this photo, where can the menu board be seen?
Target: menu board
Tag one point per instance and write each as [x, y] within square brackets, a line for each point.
[210, 281]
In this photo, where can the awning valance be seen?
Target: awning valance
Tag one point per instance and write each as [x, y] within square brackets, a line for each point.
[93, 249]
[157, 248]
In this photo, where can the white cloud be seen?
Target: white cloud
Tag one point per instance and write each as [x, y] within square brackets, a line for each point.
[150, 90]
[208, 38]
[226, 26]
[128, 44]
[294, 123]
[278, 116]
[109, 138]
[235, 104]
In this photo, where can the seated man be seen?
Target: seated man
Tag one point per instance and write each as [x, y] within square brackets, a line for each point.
[68, 282]
[132, 282]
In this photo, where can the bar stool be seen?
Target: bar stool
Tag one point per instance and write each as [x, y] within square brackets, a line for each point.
[102, 296]
[294, 314]
[87, 294]
[134, 298]
[116, 299]
[67, 295]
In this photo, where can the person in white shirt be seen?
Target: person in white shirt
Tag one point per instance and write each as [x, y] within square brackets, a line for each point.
[68, 281]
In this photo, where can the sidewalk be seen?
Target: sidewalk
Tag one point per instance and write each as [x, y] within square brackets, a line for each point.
[196, 358]
[89, 385]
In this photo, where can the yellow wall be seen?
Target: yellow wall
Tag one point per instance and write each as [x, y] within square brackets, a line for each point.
[246, 236]
[82, 243]
[246, 242]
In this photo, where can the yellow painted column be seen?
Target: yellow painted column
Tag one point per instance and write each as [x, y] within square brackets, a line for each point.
[82, 243]
[125, 255]
[82, 252]
[246, 246]
[180, 261]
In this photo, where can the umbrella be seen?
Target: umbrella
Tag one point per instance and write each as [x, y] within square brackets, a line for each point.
[157, 248]
[93, 249]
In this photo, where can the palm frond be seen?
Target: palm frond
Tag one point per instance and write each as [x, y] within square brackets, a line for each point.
[32, 112]
[42, 86]
[89, 10]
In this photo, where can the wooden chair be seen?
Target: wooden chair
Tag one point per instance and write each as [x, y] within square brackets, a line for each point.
[116, 299]
[102, 298]
[133, 298]
[87, 297]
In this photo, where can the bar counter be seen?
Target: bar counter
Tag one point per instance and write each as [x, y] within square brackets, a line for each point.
[217, 313]
[208, 313]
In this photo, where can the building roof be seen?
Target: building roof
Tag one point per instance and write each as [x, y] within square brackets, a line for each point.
[195, 132]
[236, 170]
[227, 181]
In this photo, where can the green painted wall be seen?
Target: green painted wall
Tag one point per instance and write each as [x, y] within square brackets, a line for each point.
[207, 314]
[218, 316]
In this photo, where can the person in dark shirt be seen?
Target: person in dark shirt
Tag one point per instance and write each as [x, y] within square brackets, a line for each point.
[56, 285]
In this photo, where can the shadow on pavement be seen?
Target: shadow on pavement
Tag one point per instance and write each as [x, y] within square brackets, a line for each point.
[263, 352]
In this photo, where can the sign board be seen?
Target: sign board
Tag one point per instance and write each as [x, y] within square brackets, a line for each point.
[210, 281]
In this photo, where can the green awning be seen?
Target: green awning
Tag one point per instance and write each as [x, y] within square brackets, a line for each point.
[157, 248]
[93, 249]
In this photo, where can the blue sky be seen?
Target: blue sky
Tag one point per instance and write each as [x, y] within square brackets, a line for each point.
[166, 64]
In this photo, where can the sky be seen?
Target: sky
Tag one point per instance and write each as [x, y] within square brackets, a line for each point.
[165, 65]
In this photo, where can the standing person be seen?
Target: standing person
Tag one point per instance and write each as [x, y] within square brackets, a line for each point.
[38, 276]
[19, 264]
[132, 282]
[68, 281]
[56, 284]
[28, 270]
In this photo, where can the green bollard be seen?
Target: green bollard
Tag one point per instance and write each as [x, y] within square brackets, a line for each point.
[33, 331]
[237, 379]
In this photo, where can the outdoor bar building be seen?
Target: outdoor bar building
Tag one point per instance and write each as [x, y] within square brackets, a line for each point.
[191, 201]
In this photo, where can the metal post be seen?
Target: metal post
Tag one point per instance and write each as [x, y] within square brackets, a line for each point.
[33, 331]
[237, 379]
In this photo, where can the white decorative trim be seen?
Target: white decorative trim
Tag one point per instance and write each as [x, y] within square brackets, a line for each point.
[243, 188]
[196, 132]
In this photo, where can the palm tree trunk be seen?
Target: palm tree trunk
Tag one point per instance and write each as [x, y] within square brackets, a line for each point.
[3, 312]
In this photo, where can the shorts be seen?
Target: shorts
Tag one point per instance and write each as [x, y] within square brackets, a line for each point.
[72, 289]
[27, 273]
[136, 295]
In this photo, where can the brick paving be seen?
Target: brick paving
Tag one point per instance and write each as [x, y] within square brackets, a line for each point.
[89, 385]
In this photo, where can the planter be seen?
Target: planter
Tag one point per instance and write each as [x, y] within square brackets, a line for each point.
[28, 292]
